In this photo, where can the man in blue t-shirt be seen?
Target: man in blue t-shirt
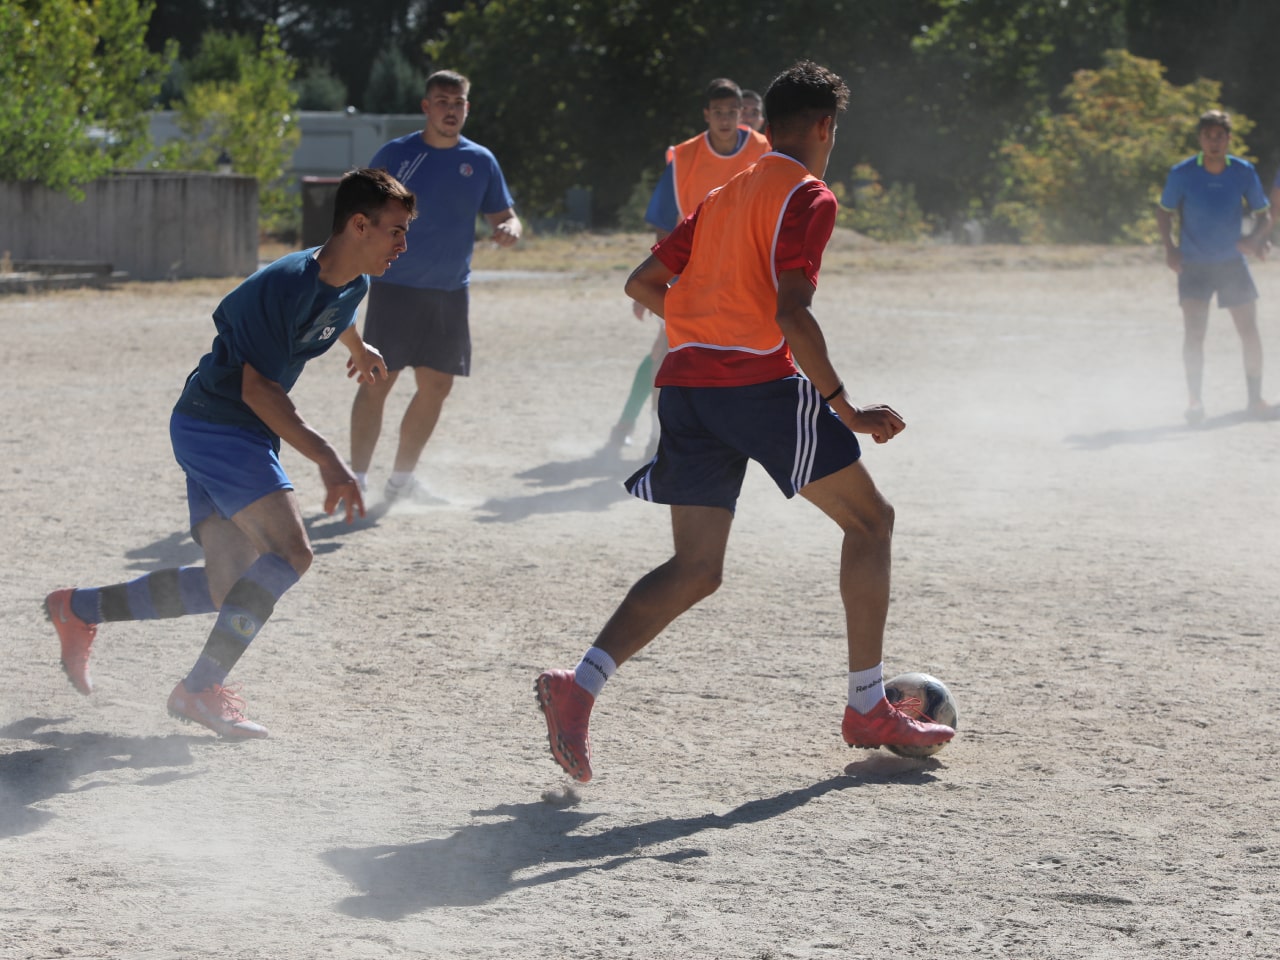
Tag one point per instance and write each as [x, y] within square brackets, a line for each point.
[226, 431]
[418, 310]
[1209, 193]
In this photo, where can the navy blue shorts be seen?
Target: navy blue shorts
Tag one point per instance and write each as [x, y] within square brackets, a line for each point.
[1231, 281]
[420, 328]
[227, 467]
[709, 433]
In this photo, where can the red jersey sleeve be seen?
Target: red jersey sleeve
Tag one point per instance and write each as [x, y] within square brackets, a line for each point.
[673, 250]
[806, 227]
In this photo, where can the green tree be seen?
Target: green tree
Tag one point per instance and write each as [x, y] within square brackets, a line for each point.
[599, 88]
[983, 71]
[1093, 172]
[395, 85]
[319, 89]
[78, 81]
[252, 119]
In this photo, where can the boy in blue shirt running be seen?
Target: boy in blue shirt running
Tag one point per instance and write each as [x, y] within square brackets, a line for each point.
[1208, 192]
[226, 430]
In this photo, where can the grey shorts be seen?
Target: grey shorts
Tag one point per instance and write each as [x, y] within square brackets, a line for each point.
[420, 328]
[1231, 281]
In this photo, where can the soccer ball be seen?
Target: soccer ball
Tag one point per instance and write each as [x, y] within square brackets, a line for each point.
[923, 697]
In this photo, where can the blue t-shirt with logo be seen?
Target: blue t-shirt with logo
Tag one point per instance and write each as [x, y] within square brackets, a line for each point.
[1211, 206]
[276, 320]
[453, 185]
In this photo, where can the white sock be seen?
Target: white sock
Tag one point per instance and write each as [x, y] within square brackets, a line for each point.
[400, 477]
[866, 688]
[363, 480]
[594, 670]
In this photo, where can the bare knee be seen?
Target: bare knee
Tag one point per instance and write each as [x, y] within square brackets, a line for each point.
[700, 579]
[872, 524]
[299, 556]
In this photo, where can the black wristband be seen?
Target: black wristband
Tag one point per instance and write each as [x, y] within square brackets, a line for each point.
[834, 393]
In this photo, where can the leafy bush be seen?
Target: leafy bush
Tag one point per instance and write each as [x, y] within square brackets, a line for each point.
[252, 120]
[1094, 173]
[78, 81]
[889, 214]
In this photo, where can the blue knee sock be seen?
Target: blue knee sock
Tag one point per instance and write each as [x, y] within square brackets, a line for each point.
[158, 595]
[249, 603]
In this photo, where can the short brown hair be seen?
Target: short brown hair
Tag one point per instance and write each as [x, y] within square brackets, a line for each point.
[1214, 118]
[722, 88]
[448, 78]
[368, 191]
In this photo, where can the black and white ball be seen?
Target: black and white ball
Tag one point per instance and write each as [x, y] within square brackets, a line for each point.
[922, 697]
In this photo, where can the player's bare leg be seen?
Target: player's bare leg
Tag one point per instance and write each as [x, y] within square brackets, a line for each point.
[366, 420]
[692, 574]
[251, 560]
[1195, 323]
[851, 499]
[1245, 318]
[416, 427]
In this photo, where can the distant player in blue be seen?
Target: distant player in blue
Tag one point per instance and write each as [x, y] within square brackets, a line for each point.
[226, 430]
[418, 310]
[1209, 194]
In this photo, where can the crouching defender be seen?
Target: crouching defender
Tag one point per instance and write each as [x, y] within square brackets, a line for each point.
[738, 324]
[226, 431]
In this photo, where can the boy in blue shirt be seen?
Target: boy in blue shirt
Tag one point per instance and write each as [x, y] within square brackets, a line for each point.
[418, 313]
[226, 430]
[1208, 192]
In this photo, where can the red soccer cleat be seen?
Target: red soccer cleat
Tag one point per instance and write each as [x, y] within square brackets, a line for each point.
[76, 637]
[218, 708]
[887, 726]
[567, 709]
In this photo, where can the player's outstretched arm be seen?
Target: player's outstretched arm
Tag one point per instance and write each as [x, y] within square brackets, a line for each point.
[809, 347]
[365, 363]
[269, 401]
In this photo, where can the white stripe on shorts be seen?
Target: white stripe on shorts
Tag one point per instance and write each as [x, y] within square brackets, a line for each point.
[643, 489]
[808, 408]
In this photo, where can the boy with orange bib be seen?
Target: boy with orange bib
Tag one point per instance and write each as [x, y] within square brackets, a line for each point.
[738, 325]
[694, 168]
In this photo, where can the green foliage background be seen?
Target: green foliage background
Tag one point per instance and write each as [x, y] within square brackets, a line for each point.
[999, 110]
[77, 83]
[1094, 171]
[250, 118]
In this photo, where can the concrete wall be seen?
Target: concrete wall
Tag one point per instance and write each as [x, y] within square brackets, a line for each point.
[152, 225]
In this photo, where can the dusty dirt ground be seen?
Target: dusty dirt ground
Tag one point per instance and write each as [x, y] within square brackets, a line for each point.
[1096, 582]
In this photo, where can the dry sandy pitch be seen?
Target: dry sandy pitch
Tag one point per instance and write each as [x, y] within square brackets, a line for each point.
[1097, 583]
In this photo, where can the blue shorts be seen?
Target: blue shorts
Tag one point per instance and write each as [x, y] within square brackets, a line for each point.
[227, 467]
[1231, 280]
[709, 433]
[414, 327]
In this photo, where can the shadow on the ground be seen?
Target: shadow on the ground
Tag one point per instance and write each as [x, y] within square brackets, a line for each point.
[1112, 438]
[29, 776]
[179, 550]
[519, 845]
[561, 489]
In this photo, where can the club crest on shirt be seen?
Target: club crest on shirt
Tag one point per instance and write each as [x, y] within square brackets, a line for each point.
[466, 169]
